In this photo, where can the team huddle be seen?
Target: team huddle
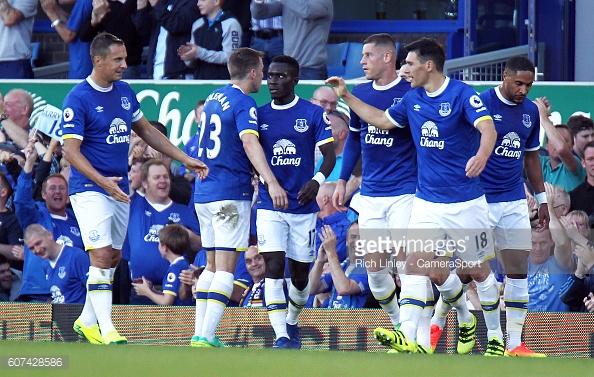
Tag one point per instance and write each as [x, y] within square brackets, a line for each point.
[439, 162]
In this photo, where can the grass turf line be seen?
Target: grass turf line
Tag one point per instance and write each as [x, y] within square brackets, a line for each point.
[138, 360]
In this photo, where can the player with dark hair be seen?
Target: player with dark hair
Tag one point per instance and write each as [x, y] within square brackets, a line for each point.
[228, 144]
[454, 136]
[98, 116]
[290, 129]
[517, 122]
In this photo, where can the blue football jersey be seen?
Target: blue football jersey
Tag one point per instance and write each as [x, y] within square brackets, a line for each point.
[518, 129]
[67, 276]
[289, 134]
[228, 114]
[171, 282]
[443, 129]
[389, 156]
[102, 119]
[66, 231]
[142, 239]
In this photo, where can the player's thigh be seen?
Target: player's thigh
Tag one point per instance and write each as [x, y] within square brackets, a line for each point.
[302, 237]
[512, 228]
[385, 217]
[468, 232]
[373, 226]
[424, 228]
[424, 235]
[273, 231]
[205, 219]
[226, 224]
[95, 212]
[398, 214]
[231, 225]
[119, 224]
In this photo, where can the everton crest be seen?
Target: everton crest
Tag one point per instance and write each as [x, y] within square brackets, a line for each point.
[301, 125]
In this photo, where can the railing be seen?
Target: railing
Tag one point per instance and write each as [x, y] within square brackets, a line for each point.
[483, 67]
[54, 71]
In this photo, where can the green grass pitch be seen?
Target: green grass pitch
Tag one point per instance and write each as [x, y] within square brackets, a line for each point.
[136, 360]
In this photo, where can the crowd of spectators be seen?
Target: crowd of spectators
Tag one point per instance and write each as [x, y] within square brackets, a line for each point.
[185, 39]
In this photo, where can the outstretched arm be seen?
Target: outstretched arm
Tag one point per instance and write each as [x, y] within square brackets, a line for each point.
[158, 141]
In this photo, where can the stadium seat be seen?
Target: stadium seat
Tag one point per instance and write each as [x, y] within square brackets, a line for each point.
[353, 62]
[337, 58]
[35, 46]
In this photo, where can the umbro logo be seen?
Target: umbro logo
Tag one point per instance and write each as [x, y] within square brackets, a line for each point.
[497, 117]
[264, 127]
[99, 109]
[417, 107]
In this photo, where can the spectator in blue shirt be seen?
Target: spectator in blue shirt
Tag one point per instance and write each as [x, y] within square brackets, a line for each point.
[347, 281]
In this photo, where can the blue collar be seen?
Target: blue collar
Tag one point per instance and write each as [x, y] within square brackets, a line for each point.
[211, 22]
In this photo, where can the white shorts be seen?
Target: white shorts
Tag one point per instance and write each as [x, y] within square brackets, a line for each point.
[295, 234]
[451, 228]
[384, 218]
[511, 225]
[103, 221]
[225, 224]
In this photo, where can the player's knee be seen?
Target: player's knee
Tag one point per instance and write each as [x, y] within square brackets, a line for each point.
[480, 277]
[465, 278]
[299, 282]
[101, 261]
[299, 274]
[275, 265]
[437, 278]
[115, 258]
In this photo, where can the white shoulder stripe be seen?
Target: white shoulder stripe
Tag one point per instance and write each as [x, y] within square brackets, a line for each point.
[137, 115]
[392, 120]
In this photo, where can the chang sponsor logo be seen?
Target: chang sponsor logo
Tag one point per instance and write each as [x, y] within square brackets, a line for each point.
[510, 146]
[117, 127]
[65, 240]
[429, 131]
[282, 148]
[153, 233]
[376, 136]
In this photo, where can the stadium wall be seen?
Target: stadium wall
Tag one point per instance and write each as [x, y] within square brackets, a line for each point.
[556, 334]
[171, 102]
